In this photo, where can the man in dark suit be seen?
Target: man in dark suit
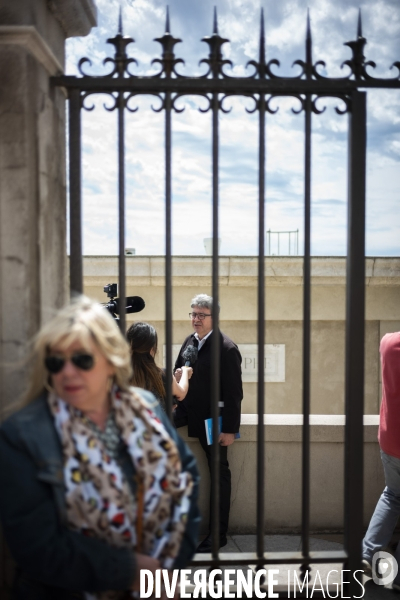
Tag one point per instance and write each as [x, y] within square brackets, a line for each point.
[196, 407]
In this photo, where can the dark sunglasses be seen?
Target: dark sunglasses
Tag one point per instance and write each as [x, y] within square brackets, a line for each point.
[55, 363]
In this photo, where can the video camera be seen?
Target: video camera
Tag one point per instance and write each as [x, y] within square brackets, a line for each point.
[133, 304]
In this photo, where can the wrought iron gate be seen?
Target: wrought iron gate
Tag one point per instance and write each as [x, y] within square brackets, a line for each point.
[262, 85]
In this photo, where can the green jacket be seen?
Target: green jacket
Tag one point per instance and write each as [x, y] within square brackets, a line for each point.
[54, 561]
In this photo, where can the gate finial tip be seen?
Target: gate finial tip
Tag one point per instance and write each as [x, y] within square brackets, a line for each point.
[308, 24]
[215, 21]
[359, 24]
[262, 38]
[167, 26]
[120, 20]
[308, 39]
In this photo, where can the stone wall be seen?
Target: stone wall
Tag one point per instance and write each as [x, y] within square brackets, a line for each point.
[238, 298]
[33, 261]
[282, 498]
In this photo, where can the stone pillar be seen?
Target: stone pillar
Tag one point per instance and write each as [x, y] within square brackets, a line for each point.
[33, 261]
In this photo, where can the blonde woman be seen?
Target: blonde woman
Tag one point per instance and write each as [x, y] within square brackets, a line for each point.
[95, 485]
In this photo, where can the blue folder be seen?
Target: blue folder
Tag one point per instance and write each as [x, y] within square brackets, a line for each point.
[209, 430]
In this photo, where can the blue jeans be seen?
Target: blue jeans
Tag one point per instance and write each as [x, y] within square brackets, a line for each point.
[387, 510]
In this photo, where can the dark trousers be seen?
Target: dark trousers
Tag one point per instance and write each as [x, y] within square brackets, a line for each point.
[224, 484]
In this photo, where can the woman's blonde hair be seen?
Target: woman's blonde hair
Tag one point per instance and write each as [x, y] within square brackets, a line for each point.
[85, 321]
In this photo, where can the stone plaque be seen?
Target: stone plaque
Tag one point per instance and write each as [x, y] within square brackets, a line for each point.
[274, 361]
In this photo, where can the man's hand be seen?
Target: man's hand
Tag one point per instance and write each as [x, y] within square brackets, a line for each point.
[178, 375]
[226, 439]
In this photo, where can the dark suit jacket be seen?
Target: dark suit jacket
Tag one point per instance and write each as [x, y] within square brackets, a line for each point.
[196, 407]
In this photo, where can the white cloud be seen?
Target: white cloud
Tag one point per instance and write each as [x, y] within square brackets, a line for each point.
[333, 23]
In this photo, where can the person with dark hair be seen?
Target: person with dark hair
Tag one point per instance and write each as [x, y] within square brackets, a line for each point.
[143, 342]
[196, 407]
[95, 483]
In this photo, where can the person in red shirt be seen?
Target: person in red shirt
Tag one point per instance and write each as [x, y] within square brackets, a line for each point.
[387, 510]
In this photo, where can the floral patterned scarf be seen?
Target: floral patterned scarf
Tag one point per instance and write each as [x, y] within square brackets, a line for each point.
[99, 499]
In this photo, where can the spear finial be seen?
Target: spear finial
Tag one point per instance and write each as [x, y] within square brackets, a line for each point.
[308, 41]
[120, 20]
[262, 39]
[357, 63]
[215, 21]
[167, 26]
[359, 24]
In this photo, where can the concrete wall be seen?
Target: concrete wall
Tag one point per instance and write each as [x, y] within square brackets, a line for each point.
[238, 298]
[282, 498]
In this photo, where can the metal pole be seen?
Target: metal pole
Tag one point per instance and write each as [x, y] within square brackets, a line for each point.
[75, 193]
[215, 349]
[261, 332]
[305, 505]
[305, 511]
[121, 209]
[168, 255]
[355, 315]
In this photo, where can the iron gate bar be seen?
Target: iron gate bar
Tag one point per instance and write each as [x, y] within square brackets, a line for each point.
[308, 86]
[239, 86]
[75, 198]
[305, 505]
[261, 304]
[121, 208]
[215, 56]
[168, 61]
[119, 65]
[355, 314]
[215, 348]
[168, 255]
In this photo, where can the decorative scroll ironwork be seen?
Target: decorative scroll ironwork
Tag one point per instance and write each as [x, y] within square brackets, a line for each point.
[265, 77]
[120, 60]
[215, 61]
[168, 61]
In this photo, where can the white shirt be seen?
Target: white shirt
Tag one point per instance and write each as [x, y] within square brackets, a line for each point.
[202, 341]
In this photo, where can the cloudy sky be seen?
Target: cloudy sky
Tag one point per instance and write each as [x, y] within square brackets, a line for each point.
[333, 23]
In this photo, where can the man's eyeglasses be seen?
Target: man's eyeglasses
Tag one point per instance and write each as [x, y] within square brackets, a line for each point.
[55, 362]
[200, 316]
